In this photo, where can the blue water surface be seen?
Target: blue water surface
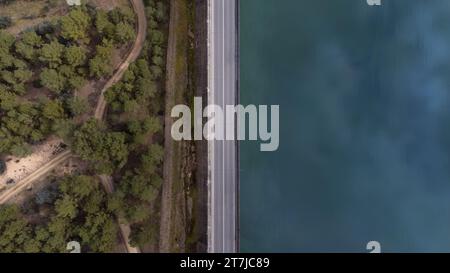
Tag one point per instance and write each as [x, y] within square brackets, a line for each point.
[364, 95]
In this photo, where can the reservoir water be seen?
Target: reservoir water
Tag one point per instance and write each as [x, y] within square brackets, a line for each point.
[364, 95]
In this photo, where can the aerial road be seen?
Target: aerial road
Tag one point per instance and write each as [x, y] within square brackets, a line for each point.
[223, 155]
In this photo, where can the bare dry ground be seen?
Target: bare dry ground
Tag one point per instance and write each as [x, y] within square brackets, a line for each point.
[71, 166]
[19, 168]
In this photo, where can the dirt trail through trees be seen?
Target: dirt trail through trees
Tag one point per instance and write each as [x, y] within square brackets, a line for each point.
[139, 9]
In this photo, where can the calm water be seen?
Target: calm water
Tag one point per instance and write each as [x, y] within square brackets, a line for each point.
[364, 95]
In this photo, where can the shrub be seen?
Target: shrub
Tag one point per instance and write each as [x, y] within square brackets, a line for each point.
[5, 22]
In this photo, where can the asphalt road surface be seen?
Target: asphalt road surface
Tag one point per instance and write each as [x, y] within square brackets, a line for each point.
[222, 90]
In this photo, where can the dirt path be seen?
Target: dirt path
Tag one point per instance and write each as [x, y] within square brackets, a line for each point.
[29, 180]
[139, 9]
[20, 167]
[176, 82]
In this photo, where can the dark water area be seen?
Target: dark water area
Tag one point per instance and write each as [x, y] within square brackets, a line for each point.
[364, 95]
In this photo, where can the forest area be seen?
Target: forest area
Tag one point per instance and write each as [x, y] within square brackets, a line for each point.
[41, 73]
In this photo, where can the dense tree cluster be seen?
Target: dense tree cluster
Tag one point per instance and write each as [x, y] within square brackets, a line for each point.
[135, 102]
[61, 57]
[26, 123]
[116, 25]
[101, 65]
[80, 213]
[140, 89]
[16, 235]
[138, 85]
[75, 26]
[28, 46]
[14, 72]
[135, 105]
[108, 150]
[144, 181]
[137, 188]
[21, 122]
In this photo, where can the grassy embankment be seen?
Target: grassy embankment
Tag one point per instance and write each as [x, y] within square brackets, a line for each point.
[175, 87]
[178, 197]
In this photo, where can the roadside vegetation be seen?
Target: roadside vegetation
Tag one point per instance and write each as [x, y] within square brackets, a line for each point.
[128, 145]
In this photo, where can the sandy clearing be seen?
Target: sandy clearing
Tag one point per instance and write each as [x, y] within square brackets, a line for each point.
[19, 168]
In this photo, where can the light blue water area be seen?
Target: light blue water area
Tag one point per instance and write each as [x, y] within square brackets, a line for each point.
[364, 95]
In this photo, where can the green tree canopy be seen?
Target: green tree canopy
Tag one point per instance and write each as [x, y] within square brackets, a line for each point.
[53, 80]
[101, 65]
[77, 105]
[74, 26]
[53, 110]
[103, 24]
[15, 232]
[124, 33]
[51, 54]
[28, 45]
[75, 55]
[6, 40]
[95, 144]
